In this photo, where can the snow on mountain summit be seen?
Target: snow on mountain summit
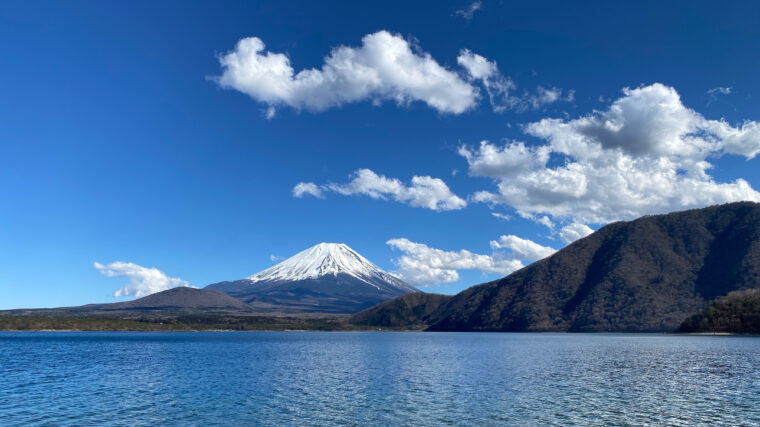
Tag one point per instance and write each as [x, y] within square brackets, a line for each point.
[326, 278]
[328, 259]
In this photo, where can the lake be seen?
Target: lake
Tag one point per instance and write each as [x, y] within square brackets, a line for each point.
[373, 378]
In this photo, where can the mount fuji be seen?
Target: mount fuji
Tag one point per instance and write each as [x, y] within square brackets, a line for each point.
[326, 278]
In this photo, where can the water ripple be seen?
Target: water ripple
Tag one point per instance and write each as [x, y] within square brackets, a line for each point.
[345, 379]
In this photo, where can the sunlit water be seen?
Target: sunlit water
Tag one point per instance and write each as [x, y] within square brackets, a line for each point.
[302, 378]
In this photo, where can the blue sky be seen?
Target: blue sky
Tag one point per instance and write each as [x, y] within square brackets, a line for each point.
[129, 133]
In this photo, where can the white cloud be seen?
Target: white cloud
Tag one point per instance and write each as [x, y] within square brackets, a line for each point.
[270, 112]
[743, 140]
[422, 265]
[499, 87]
[142, 280]
[522, 249]
[275, 258]
[646, 154]
[487, 72]
[714, 92]
[512, 159]
[468, 12]
[544, 97]
[385, 67]
[424, 192]
[545, 221]
[501, 216]
[574, 231]
[720, 91]
[303, 188]
[477, 66]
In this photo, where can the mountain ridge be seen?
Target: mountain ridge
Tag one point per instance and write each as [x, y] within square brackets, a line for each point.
[645, 275]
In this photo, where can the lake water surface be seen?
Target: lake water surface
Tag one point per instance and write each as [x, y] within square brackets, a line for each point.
[366, 378]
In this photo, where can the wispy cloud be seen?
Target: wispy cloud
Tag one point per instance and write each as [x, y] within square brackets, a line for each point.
[468, 12]
[500, 89]
[501, 216]
[543, 97]
[717, 91]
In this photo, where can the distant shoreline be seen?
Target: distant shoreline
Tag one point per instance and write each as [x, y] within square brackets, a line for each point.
[667, 334]
[178, 323]
[94, 326]
[168, 322]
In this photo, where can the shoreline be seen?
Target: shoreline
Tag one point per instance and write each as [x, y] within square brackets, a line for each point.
[180, 323]
[374, 329]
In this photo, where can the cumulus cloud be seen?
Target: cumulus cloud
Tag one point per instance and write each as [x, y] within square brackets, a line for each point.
[646, 154]
[422, 265]
[384, 67]
[142, 280]
[468, 12]
[304, 188]
[574, 231]
[276, 258]
[424, 191]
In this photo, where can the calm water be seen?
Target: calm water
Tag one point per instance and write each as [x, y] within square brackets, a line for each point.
[303, 379]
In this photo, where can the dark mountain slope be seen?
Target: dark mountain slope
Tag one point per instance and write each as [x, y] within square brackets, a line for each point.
[644, 275]
[407, 311]
[177, 298]
[181, 300]
[340, 293]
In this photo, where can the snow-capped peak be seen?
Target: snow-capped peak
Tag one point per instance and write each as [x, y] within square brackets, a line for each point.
[328, 259]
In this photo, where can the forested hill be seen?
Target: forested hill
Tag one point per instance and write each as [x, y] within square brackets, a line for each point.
[644, 275]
